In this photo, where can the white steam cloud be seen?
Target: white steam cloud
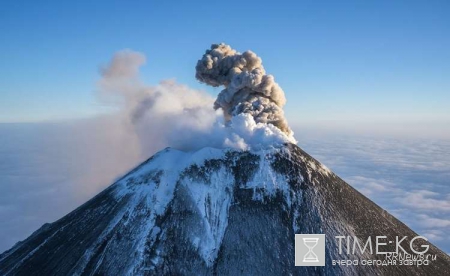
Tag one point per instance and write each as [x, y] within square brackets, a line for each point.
[247, 114]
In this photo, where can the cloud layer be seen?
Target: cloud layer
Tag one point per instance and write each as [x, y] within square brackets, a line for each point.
[407, 177]
[47, 170]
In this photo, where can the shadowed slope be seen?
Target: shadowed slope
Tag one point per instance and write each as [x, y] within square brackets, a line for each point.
[212, 212]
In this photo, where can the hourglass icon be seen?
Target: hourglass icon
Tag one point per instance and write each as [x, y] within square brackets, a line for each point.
[310, 257]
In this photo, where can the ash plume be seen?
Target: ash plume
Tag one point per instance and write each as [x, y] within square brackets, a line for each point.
[248, 89]
[246, 115]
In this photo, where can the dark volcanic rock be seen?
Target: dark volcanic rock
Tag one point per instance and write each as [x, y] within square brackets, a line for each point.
[214, 212]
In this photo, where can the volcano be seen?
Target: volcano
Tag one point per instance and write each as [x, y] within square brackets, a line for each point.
[215, 212]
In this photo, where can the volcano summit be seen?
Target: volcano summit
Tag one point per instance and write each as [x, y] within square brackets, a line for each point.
[214, 212]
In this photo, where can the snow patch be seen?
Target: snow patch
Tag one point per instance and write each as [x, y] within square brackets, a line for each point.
[155, 182]
[213, 200]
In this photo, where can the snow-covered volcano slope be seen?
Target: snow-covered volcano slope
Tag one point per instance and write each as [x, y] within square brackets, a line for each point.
[212, 212]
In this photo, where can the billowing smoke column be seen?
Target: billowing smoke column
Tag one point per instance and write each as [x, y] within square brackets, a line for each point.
[248, 111]
[248, 89]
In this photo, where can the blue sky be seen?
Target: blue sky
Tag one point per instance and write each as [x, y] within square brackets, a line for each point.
[339, 61]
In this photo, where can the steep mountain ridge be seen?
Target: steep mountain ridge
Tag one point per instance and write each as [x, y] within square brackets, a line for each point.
[213, 211]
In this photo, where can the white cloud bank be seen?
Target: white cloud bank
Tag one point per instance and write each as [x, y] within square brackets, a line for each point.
[407, 177]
